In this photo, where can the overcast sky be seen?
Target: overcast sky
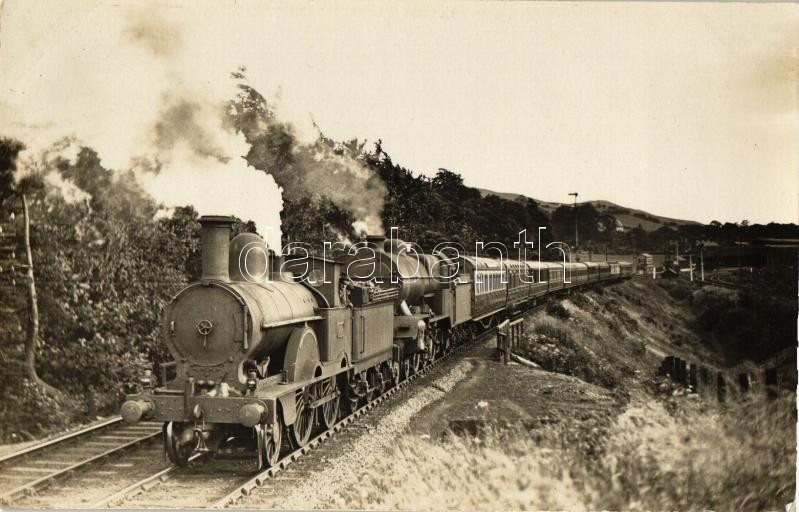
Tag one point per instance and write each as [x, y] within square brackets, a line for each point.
[683, 110]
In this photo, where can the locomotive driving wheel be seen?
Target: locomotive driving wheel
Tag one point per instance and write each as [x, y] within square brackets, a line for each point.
[436, 341]
[178, 453]
[300, 431]
[416, 362]
[430, 348]
[355, 392]
[394, 369]
[376, 384]
[329, 410]
[269, 442]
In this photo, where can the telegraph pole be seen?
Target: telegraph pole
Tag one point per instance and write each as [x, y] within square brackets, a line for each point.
[575, 218]
[702, 260]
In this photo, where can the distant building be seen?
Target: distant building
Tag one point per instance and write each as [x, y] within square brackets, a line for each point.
[778, 251]
[645, 263]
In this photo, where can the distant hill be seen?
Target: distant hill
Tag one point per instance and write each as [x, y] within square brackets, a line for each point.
[629, 217]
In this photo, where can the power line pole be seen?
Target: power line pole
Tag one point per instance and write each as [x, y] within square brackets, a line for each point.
[702, 261]
[575, 218]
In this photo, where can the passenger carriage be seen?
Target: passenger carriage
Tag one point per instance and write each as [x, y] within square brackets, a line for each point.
[257, 357]
[489, 293]
[518, 288]
[625, 269]
[576, 274]
[538, 274]
[593, 271]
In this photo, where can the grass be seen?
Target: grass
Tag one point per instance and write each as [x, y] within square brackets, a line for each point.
[655, 456]
[495, 472]
[559, 346]
[739, 458]
[665, 450]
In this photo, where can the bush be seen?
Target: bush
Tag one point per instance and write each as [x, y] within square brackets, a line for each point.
[746, 325]
[28, 412]
[557, 348]
[557, 310]
[678, 289]
[741, 458]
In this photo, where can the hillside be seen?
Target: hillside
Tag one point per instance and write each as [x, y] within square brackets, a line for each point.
[629, 217]
[594, 427]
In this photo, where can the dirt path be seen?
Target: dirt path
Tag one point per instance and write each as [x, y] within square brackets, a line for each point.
[497, 394]
[472, 389]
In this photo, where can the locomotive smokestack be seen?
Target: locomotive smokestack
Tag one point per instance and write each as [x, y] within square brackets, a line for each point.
[215, 245]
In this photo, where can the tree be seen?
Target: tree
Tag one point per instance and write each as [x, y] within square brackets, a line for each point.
[19, 192]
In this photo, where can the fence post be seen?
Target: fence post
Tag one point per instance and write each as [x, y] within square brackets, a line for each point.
[503, 341]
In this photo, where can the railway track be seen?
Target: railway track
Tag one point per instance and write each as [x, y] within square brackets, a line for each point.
[146, 479]
[224, 482]
[342, 426]
[25, 472]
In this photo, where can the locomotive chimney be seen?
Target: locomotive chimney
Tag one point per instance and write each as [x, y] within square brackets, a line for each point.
[215, 245]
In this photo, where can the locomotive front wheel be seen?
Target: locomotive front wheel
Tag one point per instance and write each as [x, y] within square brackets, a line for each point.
[178, 453]
[269, 443]
[300, 431]
[329, 409]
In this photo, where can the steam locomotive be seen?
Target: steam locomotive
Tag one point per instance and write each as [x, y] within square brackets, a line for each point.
[261, 354]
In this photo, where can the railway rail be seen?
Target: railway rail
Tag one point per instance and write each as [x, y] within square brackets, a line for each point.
[24, 472]
[204, 482]
[225, 492]
[263, 477]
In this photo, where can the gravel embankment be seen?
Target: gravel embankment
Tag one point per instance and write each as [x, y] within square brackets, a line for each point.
[345, 459]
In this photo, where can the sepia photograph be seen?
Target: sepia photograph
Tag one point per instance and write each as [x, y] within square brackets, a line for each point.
[348, 255]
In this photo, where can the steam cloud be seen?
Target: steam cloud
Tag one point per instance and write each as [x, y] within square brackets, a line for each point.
[173, 127]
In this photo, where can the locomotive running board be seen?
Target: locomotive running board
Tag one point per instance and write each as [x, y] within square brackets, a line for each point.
[270, 325]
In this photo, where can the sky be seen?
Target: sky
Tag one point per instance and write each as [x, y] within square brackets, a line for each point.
[683, 110]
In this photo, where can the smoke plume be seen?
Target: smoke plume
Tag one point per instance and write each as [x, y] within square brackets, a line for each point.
[145, 101]
[316, 169]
